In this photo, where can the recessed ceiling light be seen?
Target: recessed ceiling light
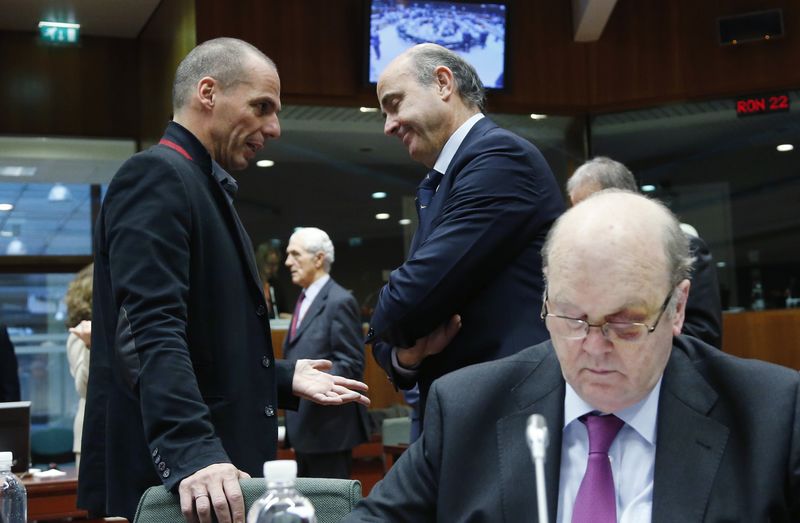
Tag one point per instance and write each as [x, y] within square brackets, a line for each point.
[648, 188]
[382, 216]
[721, 264]
[404, 221]
[785, 147]
[16, 170]
[265, 163]
[59, 193]
[65, 25]
[16, 247]
[6, 206]
[6, 234]
[368, 109]
[535, 116]
[380, 195]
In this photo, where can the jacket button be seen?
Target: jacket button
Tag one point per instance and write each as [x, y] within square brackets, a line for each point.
[157, 459]
[371, 332]
[261, 310]
[162, 466]
[155, 452]
[269, 411]
[265, 361]
[165, 474]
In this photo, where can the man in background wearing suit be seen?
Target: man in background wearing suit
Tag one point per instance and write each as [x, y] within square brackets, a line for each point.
[678, 430]
[484, 210]
[325, 325]
[183, 384]
[9, 379]
[704, 308]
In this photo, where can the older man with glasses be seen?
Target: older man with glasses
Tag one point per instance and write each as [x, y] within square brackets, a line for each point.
[645, 425]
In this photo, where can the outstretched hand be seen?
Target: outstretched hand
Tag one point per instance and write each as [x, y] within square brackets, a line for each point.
[312, 383]
[433, 343]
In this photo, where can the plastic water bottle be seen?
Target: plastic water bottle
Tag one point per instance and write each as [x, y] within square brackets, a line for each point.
[281, 503]
[13, 499]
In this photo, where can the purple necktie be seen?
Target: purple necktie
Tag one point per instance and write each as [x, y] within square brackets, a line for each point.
[596, 501]
[296, 316]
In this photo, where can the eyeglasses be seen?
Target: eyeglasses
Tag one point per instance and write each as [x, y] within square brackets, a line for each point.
[623, 332]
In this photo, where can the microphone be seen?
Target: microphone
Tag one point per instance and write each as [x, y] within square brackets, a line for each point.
[538, 438]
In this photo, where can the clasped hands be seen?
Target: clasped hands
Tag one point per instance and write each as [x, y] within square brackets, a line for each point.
[433, 343]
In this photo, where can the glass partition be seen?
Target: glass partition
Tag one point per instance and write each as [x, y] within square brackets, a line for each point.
[735, 179]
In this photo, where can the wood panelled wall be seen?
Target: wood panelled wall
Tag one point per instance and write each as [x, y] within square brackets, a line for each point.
[167, 37]
[85, 90]
[652, 51]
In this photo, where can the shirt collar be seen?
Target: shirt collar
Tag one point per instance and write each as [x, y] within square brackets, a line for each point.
[182, 136]
[641, 416]
[453, 143]
[313, 289]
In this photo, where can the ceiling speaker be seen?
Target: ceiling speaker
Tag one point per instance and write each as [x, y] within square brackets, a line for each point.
[750, 27]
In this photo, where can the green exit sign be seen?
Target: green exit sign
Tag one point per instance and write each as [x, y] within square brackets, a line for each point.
[59, 32]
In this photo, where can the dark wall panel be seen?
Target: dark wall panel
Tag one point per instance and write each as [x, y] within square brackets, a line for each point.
[85, 90]
[167, 37]
[651, 52]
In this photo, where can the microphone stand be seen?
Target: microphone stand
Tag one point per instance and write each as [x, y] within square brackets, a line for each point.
[537, 436]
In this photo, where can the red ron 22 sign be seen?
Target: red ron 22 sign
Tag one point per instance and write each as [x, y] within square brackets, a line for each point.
[750, 105]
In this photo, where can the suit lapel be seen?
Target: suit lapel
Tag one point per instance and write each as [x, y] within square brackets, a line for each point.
[689, 444]
[541, 392]
[244, 244]
[314, 310]
[427, 217]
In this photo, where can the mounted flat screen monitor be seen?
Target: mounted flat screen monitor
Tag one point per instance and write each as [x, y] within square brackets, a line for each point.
[476, 31]
[15, 433]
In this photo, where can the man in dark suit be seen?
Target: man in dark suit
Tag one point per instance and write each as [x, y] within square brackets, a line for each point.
[325, 325]
[9, 380]
[183, 385]
[704, 308]
[484, 210]
[692, 434]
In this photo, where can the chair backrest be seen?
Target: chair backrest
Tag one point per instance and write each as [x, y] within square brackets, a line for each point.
[52, 444]
[396, 431]
[333, 499]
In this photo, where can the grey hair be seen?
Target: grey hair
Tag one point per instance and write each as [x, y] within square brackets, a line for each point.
[316, 240]
[427, 57]
[223, 59]
[675, 241]
[604, 172]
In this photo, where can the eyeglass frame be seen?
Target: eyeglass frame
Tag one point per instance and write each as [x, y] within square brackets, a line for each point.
[602, 326]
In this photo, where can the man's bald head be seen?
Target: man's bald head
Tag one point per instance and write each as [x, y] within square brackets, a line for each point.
[629, 232]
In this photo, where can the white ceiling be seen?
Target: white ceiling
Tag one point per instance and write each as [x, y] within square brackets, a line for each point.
[114, 18]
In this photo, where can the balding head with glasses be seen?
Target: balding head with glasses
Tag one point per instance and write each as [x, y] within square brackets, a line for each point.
[645, 424]
[617, 271]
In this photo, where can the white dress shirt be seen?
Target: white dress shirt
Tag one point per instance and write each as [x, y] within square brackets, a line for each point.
[442, 164]
[632, 456]
[311, 293]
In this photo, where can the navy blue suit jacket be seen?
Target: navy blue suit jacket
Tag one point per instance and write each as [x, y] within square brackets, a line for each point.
[476, 253]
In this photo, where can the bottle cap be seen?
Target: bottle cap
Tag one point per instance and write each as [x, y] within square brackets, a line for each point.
[6, 458]
[282, 470]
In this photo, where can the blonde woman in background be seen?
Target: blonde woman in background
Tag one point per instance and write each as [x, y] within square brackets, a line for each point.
[79, 316]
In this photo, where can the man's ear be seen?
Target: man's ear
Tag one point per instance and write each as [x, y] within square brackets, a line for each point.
[680, 308]
[319, 260]
[445, 83]
[207, 89]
